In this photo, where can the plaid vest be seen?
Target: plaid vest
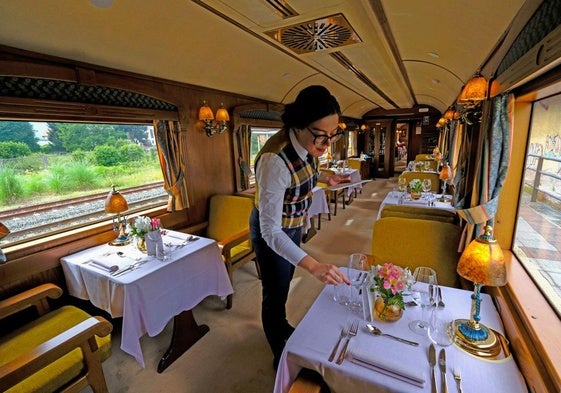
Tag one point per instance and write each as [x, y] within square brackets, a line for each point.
[304, 175]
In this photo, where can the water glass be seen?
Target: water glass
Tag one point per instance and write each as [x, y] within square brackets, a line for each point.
[341, 294]
[356, 274]
[441, 327]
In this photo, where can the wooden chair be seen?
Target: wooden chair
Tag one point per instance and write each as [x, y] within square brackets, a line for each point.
[60, 351]
[413, 242]
[228, 224]
[308, 381]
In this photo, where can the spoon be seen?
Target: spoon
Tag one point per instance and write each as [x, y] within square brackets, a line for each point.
[377, 332]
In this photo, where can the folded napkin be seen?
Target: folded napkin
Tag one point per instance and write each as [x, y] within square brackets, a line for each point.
[387, 366]
[105, 264]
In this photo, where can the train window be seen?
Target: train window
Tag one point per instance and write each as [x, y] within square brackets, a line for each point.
[259, 136]
[539, 215]
[46, 166]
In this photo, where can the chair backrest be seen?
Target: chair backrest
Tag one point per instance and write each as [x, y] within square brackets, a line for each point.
[425, 213]
[424, 157]
[411, 242]
[433, 176]
[228, 215]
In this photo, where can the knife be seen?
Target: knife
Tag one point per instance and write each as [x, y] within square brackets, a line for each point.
[432, 362]
[442, 363]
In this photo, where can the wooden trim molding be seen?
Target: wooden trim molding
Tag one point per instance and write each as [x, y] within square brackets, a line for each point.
[532, 327]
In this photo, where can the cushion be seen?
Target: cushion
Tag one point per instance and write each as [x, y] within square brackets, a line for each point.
[228, 215]
[424, 213]
[66, 368]
[411, 242]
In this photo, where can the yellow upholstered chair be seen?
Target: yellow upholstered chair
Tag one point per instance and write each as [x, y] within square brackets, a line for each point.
[433, 176]
[424, 157]
[60, 351]
[426, 213]
[228, 224]
[413, 242]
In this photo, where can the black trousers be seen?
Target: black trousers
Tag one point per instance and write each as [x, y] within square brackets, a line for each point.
[276, 274]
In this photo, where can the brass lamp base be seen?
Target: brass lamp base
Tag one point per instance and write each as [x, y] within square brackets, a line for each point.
[489, 347]
[120, 241]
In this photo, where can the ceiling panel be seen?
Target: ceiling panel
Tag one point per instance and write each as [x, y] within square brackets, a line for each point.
[222, 44]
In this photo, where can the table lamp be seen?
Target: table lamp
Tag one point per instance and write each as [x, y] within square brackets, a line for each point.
[115, 203]
[445, 175]
[482, 262]
[3, 232]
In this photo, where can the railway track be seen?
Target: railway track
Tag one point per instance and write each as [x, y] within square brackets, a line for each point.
[66, 203]
[27, 223]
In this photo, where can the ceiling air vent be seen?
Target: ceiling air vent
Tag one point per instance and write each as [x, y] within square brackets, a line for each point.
[316, 35]
[282, 8]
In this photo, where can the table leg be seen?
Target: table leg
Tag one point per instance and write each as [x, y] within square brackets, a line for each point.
[186, 332]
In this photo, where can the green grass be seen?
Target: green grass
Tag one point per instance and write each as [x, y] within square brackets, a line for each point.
[65, 177]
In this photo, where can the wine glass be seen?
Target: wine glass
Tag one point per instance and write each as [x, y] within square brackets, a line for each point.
[441, 327]
[402, 184]
[427, 186]
[424, 292]
[357, 264]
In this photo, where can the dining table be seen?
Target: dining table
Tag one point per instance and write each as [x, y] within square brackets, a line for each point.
[381, 364]
[148, 292]
[318, 206]
[398, 198]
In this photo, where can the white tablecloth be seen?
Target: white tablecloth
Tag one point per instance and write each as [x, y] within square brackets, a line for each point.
[319, 206]
[315, 336]
[151, 295]
[355, 178]
[393, 197]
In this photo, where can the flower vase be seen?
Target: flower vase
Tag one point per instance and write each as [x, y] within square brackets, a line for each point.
[387, 313]
[416, 195]
[141, 244]
[155, 244]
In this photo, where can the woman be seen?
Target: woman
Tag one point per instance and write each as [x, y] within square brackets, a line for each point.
[286, 171]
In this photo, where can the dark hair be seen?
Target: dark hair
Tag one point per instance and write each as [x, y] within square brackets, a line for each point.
[312, 103]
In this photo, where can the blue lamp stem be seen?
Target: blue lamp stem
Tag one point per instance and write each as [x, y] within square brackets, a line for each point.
[471, 329]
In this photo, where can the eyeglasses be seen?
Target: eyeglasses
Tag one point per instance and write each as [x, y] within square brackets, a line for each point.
[320, 140]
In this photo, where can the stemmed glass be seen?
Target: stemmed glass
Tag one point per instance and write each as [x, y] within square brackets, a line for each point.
[356, 274]
[441, 327]
[424, 292]
[427, 186]
[402, 185]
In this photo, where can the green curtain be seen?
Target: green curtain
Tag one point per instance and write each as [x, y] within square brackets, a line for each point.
[491, 168]
[170, 144]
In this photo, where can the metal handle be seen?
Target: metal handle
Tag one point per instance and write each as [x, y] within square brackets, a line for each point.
[332, 356]
[433, 385]
[343, 352]
[444, 384]
[403, 340]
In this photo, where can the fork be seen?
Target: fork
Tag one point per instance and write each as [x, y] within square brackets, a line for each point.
[458, 379]
[341, 336]
[352, 332]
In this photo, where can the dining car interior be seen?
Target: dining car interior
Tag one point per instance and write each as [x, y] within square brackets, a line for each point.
[129, 131]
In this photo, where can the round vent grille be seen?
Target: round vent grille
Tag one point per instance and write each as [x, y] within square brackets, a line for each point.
[316, 35]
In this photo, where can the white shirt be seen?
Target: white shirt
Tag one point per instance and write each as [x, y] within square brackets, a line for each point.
[273, 178]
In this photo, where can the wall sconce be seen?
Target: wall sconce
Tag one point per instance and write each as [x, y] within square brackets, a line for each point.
[474, 91]
[482, 263]
[3, 232]
[115, 203]
[211, 125]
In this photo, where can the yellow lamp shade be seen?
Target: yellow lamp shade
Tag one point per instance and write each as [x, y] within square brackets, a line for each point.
[115, 202]
[475, 90]
[205, 113]
[482, 261]
[222, 114]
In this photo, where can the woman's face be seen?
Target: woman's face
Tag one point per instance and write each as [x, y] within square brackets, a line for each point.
[320, 134]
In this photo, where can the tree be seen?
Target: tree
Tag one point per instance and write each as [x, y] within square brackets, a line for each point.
[18, 131]
[54, 138]
[138, 134]
[74, 136]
